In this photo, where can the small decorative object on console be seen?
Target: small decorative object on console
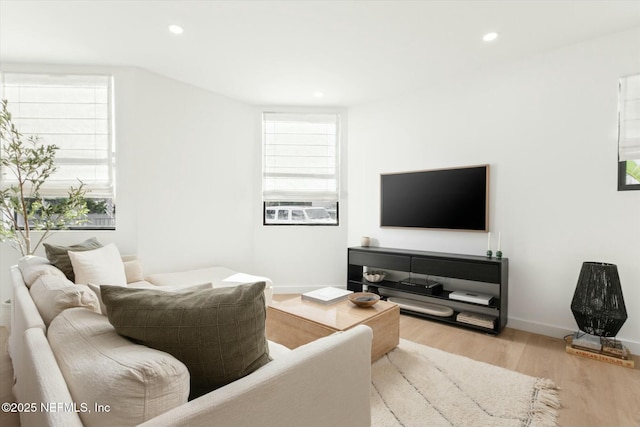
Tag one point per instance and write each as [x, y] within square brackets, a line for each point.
[374, 276]
[423, 286]
[422, 307]
[474, 297]
[327, 295]
[364, 299]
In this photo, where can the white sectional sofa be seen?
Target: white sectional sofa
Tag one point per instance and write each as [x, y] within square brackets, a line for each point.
[71, 368]
[218, 276]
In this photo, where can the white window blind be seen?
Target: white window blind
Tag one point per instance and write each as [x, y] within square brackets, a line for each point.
[301, 161]
[629, 120]
[72, 112]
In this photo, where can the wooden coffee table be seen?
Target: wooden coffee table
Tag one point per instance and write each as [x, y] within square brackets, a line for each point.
[295, 322]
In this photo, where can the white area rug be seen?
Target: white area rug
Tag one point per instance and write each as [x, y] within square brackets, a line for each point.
[416, 385]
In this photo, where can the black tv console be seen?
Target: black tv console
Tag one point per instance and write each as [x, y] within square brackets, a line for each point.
[491, 273]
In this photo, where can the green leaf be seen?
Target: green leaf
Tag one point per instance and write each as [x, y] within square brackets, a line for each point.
[633, 170]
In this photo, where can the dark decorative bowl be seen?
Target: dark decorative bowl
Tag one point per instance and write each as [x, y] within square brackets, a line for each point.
[364, 299]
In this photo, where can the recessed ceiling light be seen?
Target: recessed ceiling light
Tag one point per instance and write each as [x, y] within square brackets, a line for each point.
[489, 37]
[176, 29]
[318, 94]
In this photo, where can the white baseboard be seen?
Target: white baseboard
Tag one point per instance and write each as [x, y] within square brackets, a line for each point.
[558, 332]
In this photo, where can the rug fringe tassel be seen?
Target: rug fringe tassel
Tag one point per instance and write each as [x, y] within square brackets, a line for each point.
[546, 404]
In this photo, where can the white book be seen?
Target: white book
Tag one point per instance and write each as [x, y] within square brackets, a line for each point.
[471, 297]
[326, 295]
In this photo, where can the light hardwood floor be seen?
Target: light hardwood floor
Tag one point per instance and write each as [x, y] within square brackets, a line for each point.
[592, 393]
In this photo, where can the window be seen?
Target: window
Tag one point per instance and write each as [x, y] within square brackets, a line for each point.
[629, 133]
[73, 112]
[300, 184]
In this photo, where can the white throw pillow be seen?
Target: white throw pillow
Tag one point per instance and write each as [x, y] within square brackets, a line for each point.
[133, 270]
[102, 266]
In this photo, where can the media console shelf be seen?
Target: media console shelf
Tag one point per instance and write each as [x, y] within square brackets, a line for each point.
[491, 272]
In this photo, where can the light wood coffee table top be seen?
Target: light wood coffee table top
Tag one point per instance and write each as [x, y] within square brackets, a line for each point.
[295, 322]
[340, 316]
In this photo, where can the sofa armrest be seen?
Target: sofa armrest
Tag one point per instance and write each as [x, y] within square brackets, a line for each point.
[324, 383]
[41, 383]
[219, 277]
[24, 315]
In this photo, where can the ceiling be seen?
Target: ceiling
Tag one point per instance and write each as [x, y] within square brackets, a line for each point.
[283, 52]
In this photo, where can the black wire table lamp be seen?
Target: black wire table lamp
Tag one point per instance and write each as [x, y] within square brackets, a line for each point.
[599, 310]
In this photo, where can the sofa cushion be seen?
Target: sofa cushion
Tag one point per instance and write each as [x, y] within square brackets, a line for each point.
[31, 267]
[96, 290]
[52, 295]
[220, 277]
[145, 285]
[101, 367]
[102, 266]
[132, 270]
[218, 333]
[58, 255]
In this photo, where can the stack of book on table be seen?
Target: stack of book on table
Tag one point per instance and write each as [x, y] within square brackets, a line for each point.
[327, 295]
[477, 319]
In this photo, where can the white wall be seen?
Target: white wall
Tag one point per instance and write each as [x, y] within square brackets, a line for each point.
[194, 152]
[547, 126]
[184, 175]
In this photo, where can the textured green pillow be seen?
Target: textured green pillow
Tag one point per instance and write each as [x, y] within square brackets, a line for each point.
[219, 334]
[59, 257]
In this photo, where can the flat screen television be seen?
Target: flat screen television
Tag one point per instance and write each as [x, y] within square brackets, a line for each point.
[454, 199]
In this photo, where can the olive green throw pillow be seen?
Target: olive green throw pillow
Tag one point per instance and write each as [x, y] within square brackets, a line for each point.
[59, 256]
[219, 334]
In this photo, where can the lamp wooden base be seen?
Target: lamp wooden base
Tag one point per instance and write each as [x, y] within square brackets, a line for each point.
[599, 355]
